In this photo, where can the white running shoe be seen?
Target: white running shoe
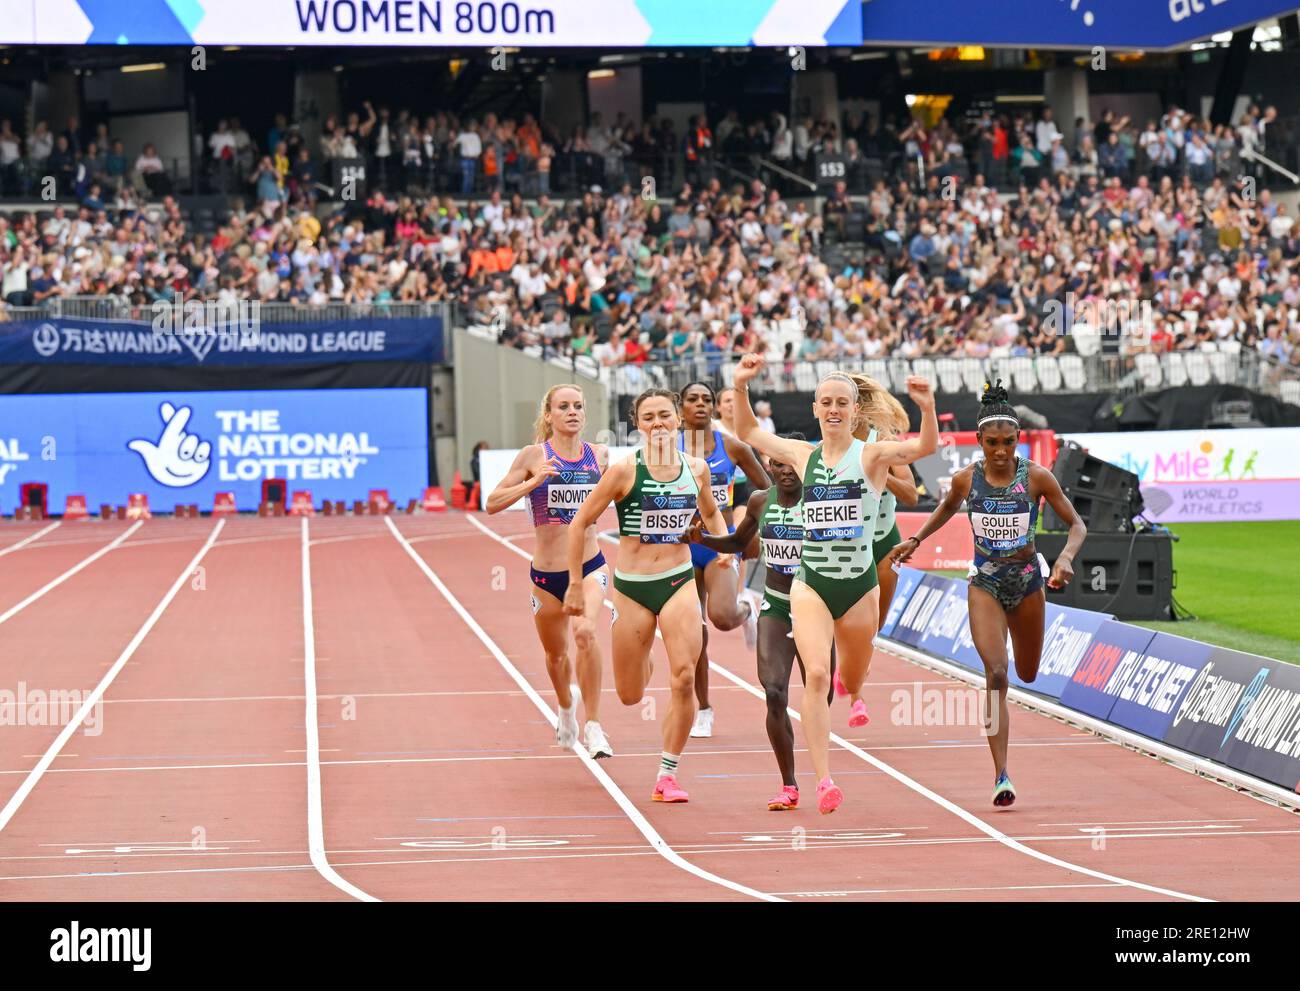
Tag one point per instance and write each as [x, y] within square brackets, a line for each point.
[596, 741]
[566, 730]
[703, 727]
[751, 621]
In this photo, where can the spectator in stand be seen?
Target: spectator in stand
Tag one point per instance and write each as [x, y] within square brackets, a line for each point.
[469, 146]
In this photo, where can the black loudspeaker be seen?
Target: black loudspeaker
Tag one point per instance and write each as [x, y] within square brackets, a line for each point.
[1104, 495]
[1129, 575]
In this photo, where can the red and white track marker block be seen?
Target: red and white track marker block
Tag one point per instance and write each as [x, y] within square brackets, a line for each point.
[433, 500]
[137, 507]
[74, 508]
[223, 504]
[302, 504]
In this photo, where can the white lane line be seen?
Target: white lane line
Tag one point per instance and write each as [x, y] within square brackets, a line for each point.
[34, 776]
[916, 786]
[656, 841]
[842, 892]
[56, 582]
[315, 814]
[28, 539]
[1143, 822]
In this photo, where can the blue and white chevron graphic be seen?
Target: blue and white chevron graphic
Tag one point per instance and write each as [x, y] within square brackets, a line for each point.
[538, 23]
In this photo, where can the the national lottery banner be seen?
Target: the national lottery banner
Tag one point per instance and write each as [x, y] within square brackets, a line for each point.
[187, 446]
[243, 340]
[555, 23]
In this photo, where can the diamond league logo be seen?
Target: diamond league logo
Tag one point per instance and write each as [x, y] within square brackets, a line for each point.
[566, 476]
[45, 339]
[819, 492]
[778, 532]
[661, 502]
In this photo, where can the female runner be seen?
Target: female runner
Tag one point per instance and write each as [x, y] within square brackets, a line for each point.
[1002, 493]
[881, 416]
[717, 580]
[657, 491]
[776, 517]
[557, 474]
[834, 597]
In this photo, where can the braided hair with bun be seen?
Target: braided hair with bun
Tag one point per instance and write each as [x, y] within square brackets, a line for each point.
[995, 405]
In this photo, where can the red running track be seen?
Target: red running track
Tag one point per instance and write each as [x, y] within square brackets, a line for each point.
[438, 775]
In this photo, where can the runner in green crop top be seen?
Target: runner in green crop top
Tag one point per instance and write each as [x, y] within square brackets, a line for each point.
[834, 598]
[656, 492]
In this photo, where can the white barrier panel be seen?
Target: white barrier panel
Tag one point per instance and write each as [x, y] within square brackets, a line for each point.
[494, 464]
[1208, 475]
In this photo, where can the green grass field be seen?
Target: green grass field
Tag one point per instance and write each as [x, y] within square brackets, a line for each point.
[1240, 582]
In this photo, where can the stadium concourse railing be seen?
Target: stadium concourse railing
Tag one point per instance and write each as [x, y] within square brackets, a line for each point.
[116, 308]
[1077, 373]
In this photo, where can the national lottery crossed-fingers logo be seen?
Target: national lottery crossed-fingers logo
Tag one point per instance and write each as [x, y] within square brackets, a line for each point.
[177, 459]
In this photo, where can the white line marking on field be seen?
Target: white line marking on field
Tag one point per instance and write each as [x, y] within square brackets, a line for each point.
[73, 724]
[315, 816]
[27, 540]
[56, 582]
[843, 892]
[648, 831]
[914, 785]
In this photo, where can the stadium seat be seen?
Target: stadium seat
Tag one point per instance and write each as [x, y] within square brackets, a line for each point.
[924, 367]
[728, 373]
[1198, 368]
[1290, 389]
[805, 379]
[1222, 367]
[1049, 372]
[823, 368]
[1087, 341]
[1076, 380]
[899, 369]
[948, 374]
[877, 369]
[1148, 366]
[1175, 369]
[972, 373]
[1022, 374]
[533, 351]
[586, 366]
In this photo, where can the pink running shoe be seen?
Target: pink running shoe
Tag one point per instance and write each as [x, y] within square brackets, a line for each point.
[858, 714]
[668, 790]
[829, 796]
[839, 685]
[788, 799]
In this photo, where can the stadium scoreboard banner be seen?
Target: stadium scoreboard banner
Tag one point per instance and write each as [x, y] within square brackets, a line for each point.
[239, 341]
[1147, 24]
[1190, 476]
[187, 446]
[1236, 709]
[550, 23]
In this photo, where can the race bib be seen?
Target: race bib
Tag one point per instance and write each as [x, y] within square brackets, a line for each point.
[567, 491]
[833, 512]
[720, 484]
[665, 517]
[782, 547]
[1001, 531]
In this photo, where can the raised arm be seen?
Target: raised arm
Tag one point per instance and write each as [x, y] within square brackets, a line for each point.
[904, 452]
[743, 455]
[529, 470]
[747, 429]
[903, 485]
[951, 503]
[1043, 483]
